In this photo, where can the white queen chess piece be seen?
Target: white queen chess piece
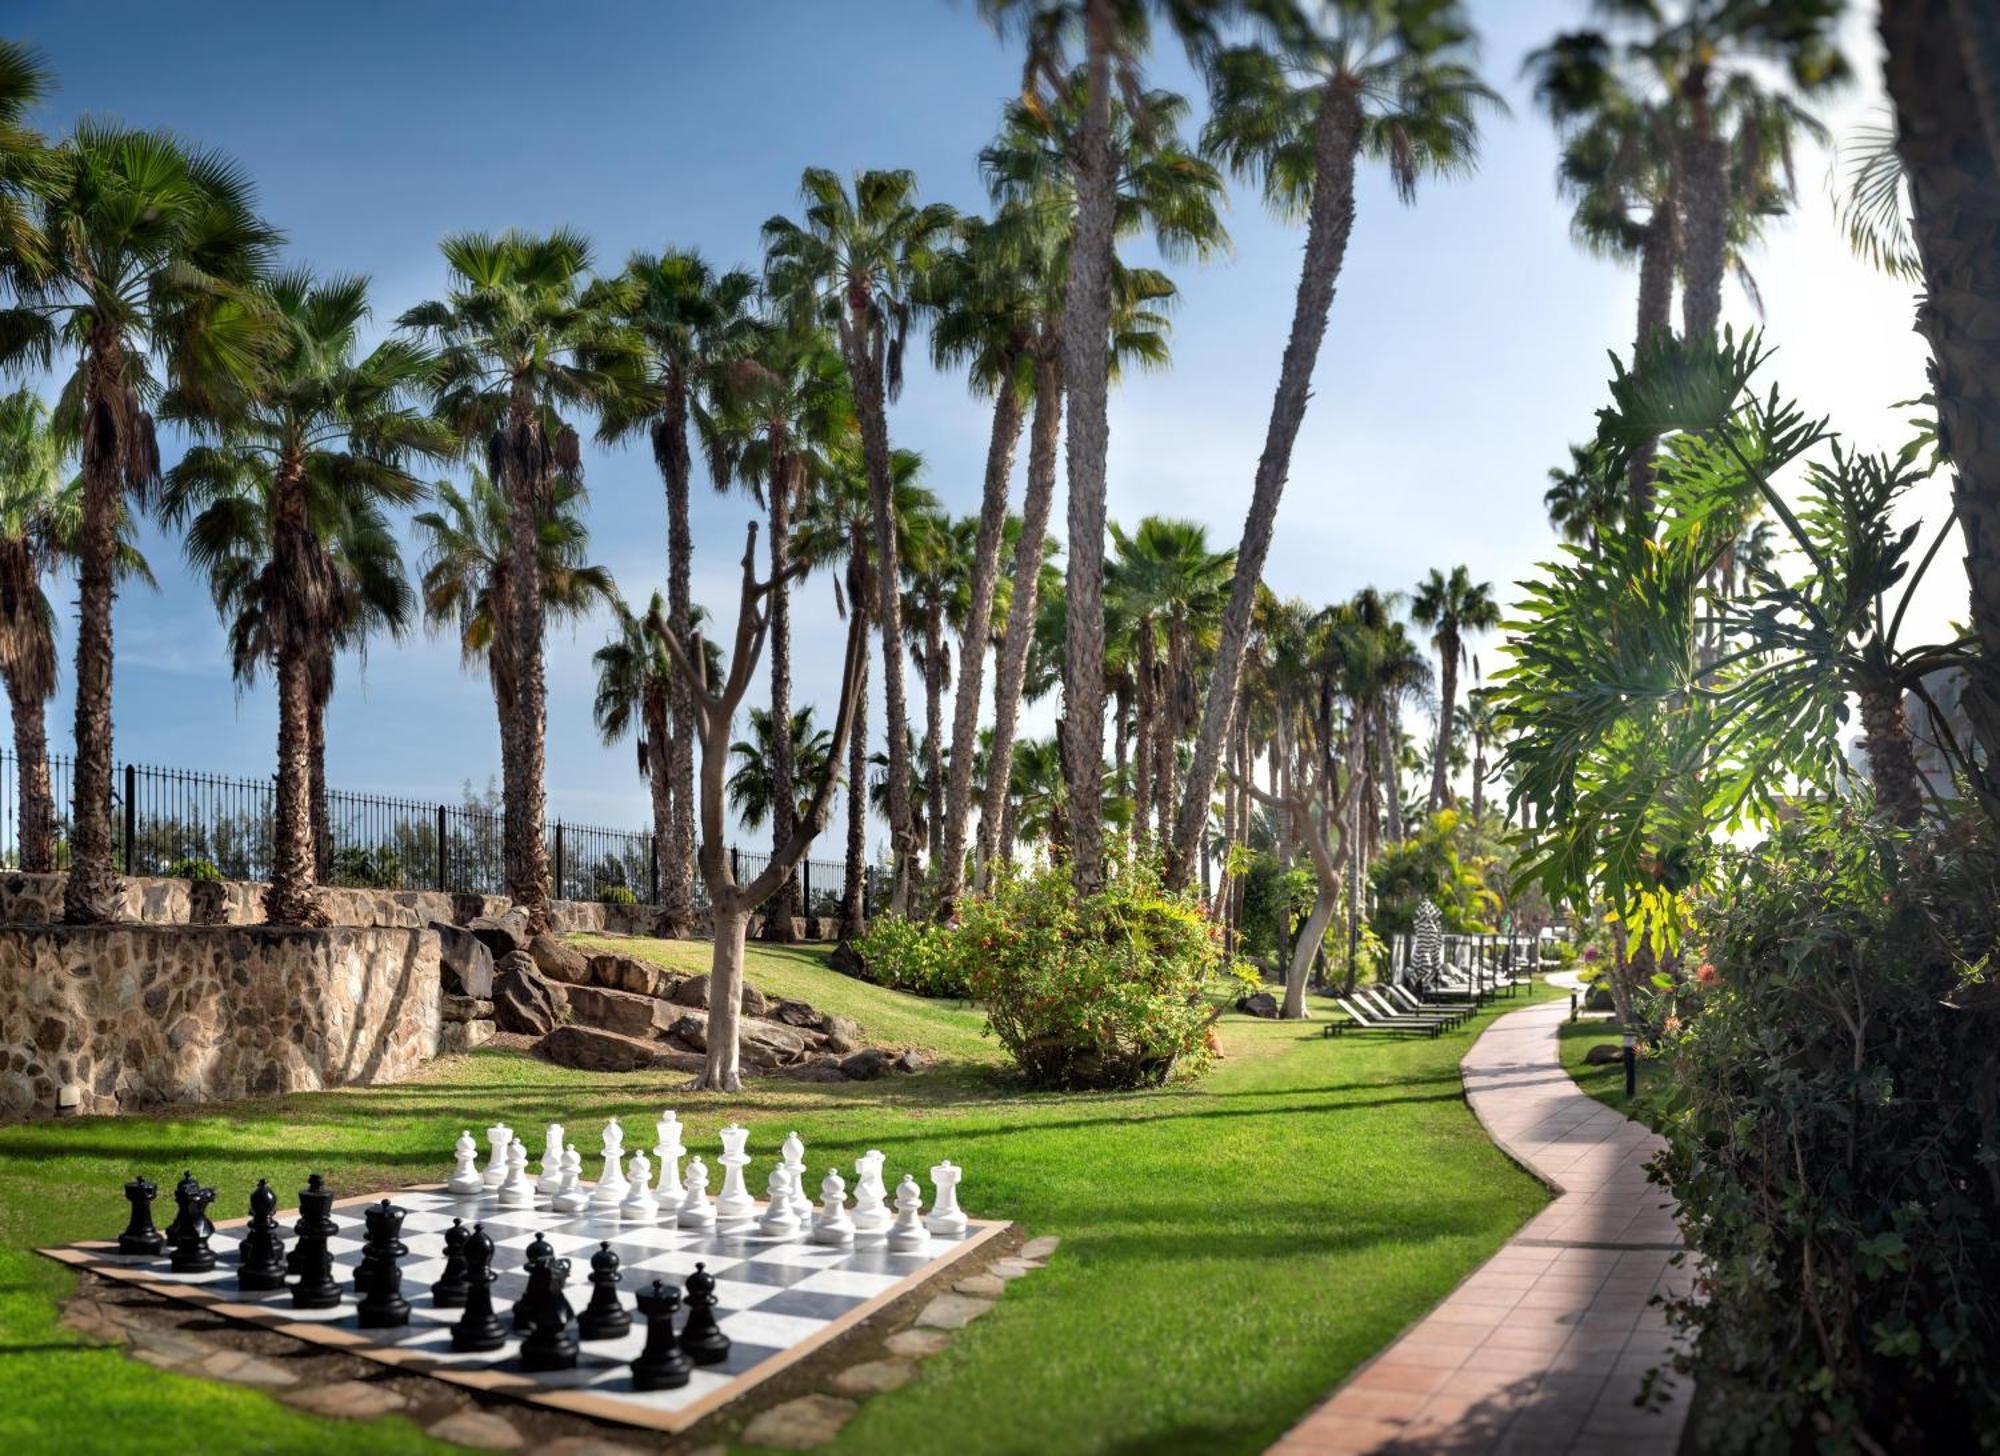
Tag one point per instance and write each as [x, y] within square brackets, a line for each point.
[734, 1205]
[668, 1150]
[572, 1197]
[793, 1152]
[871, 1214]
[498, 1138]
[831, 1225]
[908, 1235]
[516, 1190]
[466, 1180]
[696, 1212]
[779, 1223]
[640, 1206]
[611, 1188]
[946, 1221]
[552, 1154]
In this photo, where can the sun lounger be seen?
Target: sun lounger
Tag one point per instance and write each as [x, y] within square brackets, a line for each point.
[1374, 1020]
[1373, 998]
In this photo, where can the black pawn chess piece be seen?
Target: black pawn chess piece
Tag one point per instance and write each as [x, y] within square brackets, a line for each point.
[182, 1189]
[478, 1328]
[311, 1259]
[140, 1236]
[551, 1344]
[604, 1318]
[663, 1364]
[539, 1251]
[382, 1303]
[262, 1252]
[703, 1338]
[450, 1290]
[192, 1255]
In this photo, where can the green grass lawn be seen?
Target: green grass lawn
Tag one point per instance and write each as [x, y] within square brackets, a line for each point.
[1230, 1250]
[1605, 1082]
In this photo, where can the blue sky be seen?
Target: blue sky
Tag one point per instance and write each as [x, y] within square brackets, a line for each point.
[1467, 342]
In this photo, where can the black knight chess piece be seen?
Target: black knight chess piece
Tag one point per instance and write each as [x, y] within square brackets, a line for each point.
[140, 1236]
[703, 1338]
[261, 1255]
[192, 1255]
[382, 1304]
[663, 1364]
[450, 1290]
[539, 1251]
[311, 1259]
[550, 1345]
[604, 1318]
[478, 1328]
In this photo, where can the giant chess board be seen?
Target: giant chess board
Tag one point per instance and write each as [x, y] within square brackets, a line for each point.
[777, 1301]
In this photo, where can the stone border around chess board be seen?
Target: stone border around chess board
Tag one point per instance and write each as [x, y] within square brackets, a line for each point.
[87, 1255]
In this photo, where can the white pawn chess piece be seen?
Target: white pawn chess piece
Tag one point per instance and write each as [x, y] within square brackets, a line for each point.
[640, 1206]
[516, 1190]
[466, 1179]
[611, 1187]
[831, 1225]
[734, 1205]
[668, 1151]
[552, 1156]
[696, 1212]
[572, 1197]
[908, 1235]
[793, 1152]
[779, 1222]
[498, 1137]
[946, 1221]
[871, 1214]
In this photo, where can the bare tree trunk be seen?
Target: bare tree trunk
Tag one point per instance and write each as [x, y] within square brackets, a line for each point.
[783, 906]
[1892, 761]
[722, 1071]
[36, 801]
[670, 450]
[1447, 705]
[525, 468]
[1312, 935]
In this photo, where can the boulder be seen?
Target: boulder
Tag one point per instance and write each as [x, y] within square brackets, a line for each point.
[796, 1013]
[694, 992]
[868, 1065]
[843, 1034]
[463, 1036]
[559, 960]
[1604, 1053]
[524, 1001]
[593, 1049]
[848, 961]
[812, 1072]
[467, 963]
[690, 1031]
[620, 1011]
[761, 1044]
[503, 934]
[464, 1008]
[913, 1060]
[1263, 1003]
[620, 972]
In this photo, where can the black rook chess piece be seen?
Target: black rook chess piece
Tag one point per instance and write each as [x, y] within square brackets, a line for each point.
[140, 1236]
[663, 1364]
[539, 1251]
[450, 1289]
[382, 1303]
[550, 1344]
[604, 1318]
[311, 1259]
[192, 1255]
[478, 1328]
[262, 1252]
[703, 1338]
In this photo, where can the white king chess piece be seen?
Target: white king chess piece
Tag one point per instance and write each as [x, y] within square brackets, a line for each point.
[871, 1214]
[572, 1197]
[946, 1221]
[734, 1205]
[466, 1180]
[696, 1212]
[498, 1138]
[552, 1155]
[610, 1189]
[779, 1222]
[831, 1225]
[516, 1190]
[640, 1206]
[668, 1151]
[908, 1235]
[793, 1152]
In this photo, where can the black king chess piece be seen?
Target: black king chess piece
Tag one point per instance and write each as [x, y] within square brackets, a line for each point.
[539, 1251]
[192, 1255]
[703, 1338]
[604, 1318]
[663, 1364]
[311, 1259]
[382, 1303]
[478, 1328]
[140, 1236]
[551, 1344]
[450, 1290]
[262, 1252]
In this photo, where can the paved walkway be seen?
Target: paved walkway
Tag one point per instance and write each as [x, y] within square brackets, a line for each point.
[1543, 1348]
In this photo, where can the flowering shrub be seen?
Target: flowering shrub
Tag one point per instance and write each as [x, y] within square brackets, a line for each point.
[1105, 992]
[911, 955]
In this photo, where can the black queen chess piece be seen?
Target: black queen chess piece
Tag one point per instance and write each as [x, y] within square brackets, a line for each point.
[703, 1338]
[261, 1255]
[663, 1364]
[192, 1255]
[478, 1328]
[382, 1304]
[311, 1259]
[604, 1318]
[551, 1344]
[141, 1236]
[451, 1287]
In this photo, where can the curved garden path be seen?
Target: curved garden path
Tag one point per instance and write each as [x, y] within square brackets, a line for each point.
[1543, 1348]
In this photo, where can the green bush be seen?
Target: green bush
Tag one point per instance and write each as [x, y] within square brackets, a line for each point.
[617, 895]
[376, 869]
[912, 955]
[1104, 992]
[1831, 1132]
[194, 869]
[1559, 953]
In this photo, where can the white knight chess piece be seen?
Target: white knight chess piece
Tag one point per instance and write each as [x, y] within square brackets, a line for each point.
[831, 1225]
[793, 1152]
[871, 1214]
[466, 1180]
[946, 1221]
[908, 1235]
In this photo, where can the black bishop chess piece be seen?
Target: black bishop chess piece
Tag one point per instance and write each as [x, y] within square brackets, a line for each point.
[478, 1328]
[604, 1318]
[450, 1289]
[182, 1189]
[539, 1251]
[663, 1364]
[382, 1304]
[140, 1236]
[311, 1259]
[551, 1344]
[703, 1338]
[261, 1255]
[192, 1255]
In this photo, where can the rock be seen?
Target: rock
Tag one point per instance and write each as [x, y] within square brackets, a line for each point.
[248, 1370]
[843, 1034]
[867, 1065]
[691, 992]
[1041, 1248]
[621, 1011]
[352, 1400]
[796, 1013]
[848, 961]
[617, 971]
[523, 1000]
[800, 1425]
[464, 1008]
[464, 1036]
[767, 1044]
[981, 1286]
[502, 934]
[1011, 1269]
[1604, 1054]
[913, 1060]
[592, 1049]
[482, 1430]
[559, 960]
[873, 1377]
[811, 1072]
[916, 1344]
[952, 1312]
[467, 963]
[1263, 1003]
[586, 1446]
[755, 1002]
[690, 1031]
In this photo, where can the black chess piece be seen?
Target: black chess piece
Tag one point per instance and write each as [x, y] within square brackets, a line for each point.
[182, 1189]
[478, 1328]
[604, 1318]
[192, 1255]
[311, 1259]
[450, 1289]
[382, 1304]
[551, 1345]
[262, 1252]
[663, 1364]
[703, 1338]
[140, 1236]
[539, 1251]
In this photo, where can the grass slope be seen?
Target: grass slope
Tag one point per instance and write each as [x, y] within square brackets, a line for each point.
[1606, 1080]
[1230, 1250]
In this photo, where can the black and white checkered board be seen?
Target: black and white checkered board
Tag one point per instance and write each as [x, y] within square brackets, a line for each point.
[777, 1301]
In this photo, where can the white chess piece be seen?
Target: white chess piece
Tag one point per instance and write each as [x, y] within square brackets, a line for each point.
[831, 1225]
[779, 1222]
[640, 1206]
[696, 1212]
[611, 1188]
[734, 1205]
[516, 1190]
[946, 1221]
[552, 1156]
[871, 1215]
[793, 1152]
[668, 1151]
[498, 1138]
[466, 1180]
[908, 1235]
[572, 1197]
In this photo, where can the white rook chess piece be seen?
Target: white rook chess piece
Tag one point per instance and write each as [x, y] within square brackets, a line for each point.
[908, 1235]
[466, 1180]
[668, 1151]
[779, 1222]
[572, 1197]
[610, 1190]
[498, 1137]
[871, 1215]
[946, 1221]
[793, 1151]
[831, 1225]
[734, 1205]
[640, 1206]
[696, 1212]
[515, 1190]
[552, 1155]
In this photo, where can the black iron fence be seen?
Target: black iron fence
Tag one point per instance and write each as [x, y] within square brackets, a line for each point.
[167, 820]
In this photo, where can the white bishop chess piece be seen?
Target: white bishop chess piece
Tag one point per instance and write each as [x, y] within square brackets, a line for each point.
[516, 1190]
[466, 1180]
[696, 1212]
[668, 1150]
[831, 1225]
[779, 1223]
[640, 1206]
[734, 1205]
[908, 1235]
[946, 1221]
[498, 1138]
[572, 1197]
[871, 1214]
[552, 1155]
[610, 1189]
[793, 1152]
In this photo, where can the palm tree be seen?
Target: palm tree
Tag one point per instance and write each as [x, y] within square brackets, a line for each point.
[320, 438]
[1037, 795]
[26, 164]
[691, 323]
[1452, 607]
[753, 786]
[518, 342]
[1585, 499]
[1479, 721]
[160, 245]
[1391, 82]
[38, 520]
[854, 264]
[937, 572]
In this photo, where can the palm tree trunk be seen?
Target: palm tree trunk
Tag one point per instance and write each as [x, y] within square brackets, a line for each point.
[659, 769]
[670, 450]
[1953, 166]
[526, 487]
[1704, 207]
[290, 899]
[783, 906]
[934, 674]
[1447, 705]
[1008, 416]
[1390, 778]
[1658, 256]
[854, 886]
[1478, 777]
[1892, 760]
[36, 803]
[1336, 141]
[1142, 779]
[322, 823]
[1171, 714]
